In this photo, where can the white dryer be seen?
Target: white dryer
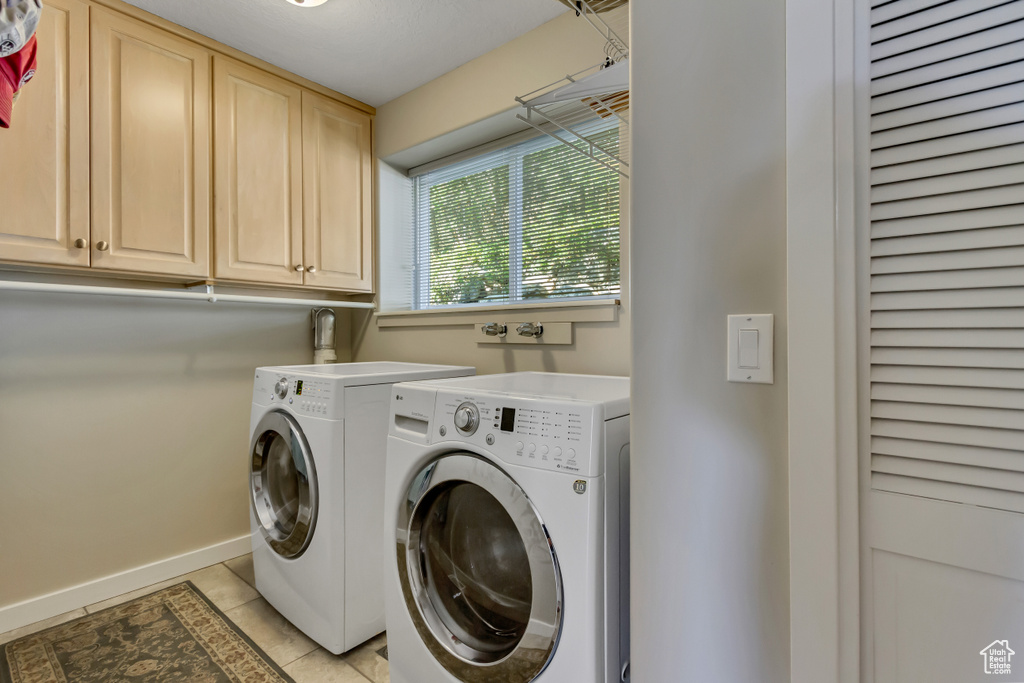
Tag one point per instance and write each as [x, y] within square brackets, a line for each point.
[507, 516]
[316, 459]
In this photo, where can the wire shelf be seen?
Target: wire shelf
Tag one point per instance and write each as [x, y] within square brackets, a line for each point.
[566, 109]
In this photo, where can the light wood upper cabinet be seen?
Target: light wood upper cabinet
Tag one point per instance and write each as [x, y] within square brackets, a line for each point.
[150, 149]
[138, 150]
[257, 175]
[46, 150]
[337, 195]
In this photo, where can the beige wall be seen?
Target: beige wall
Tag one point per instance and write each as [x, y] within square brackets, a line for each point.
[123, 430]
[709, 510]
[474, 92]
[488, 85]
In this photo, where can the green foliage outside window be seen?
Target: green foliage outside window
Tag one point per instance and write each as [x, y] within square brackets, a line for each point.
[561, 218]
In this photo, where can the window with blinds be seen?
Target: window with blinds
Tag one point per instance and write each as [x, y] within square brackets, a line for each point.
[947, 250]
[535, 221]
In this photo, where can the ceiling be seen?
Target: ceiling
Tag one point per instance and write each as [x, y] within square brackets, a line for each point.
[372, 50]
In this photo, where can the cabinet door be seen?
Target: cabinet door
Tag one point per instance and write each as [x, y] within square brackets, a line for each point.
[45, 152]
[337, 190]
[257, 175]
[150, 149]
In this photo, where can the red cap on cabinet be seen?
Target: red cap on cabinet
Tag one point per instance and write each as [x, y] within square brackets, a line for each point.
[15, 71]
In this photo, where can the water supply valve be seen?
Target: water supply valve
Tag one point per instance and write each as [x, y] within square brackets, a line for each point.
[530, 330]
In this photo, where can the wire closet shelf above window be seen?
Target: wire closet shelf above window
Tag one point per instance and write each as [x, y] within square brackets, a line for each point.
[563, 109]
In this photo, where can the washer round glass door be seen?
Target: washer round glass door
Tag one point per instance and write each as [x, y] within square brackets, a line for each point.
[282, 484]
[479, 572]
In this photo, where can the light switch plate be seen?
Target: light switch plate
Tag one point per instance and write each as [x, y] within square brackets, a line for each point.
[751, 349]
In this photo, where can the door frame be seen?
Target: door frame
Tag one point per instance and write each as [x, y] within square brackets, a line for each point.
[823, 81]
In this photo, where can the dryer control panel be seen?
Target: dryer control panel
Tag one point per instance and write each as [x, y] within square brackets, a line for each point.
[553, 435]
[303, 394]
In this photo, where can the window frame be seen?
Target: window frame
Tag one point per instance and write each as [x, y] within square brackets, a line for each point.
[511, 155]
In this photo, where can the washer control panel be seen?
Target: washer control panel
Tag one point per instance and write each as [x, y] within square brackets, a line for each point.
[305, 395]
[554, 435]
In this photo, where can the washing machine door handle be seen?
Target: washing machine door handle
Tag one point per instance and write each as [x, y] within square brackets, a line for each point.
[283, 488]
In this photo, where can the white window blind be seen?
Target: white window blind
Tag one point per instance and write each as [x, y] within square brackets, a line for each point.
[947, 250]
[535, 221]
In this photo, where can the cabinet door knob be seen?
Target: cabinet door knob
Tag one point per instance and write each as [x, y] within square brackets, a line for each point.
[311, 269]
[80, 243]
[299, 269]
[103, 246]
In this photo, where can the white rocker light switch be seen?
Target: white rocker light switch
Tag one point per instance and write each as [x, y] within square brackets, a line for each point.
[750, 349]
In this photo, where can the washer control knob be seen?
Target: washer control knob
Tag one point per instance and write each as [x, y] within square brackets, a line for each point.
[467, 418]
[281, 388]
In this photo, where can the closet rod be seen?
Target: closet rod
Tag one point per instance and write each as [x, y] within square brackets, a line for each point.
[210, 296]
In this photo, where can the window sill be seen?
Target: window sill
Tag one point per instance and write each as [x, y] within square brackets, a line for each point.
[600, 310]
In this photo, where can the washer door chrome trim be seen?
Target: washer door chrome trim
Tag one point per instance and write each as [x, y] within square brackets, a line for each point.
[533, 652]
[286, 543]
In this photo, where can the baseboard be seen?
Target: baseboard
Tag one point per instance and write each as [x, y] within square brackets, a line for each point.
[46, 606]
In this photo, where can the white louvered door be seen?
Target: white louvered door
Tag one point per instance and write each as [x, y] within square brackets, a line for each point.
[943, 512]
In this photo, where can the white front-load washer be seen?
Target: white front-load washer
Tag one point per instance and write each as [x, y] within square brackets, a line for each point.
[316, 475]
[507, 517]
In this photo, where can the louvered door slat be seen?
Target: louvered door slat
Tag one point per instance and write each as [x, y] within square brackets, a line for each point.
[958, 493]
[947, 251]
[946, 127]
[992, 458]
[1006, 298]
[971, 23]
[1001, 480]
[950, 396]
[943, 357]
[982, 437]
[958, 144]
[894, 10]
[950, 183]
[948, 68]
[972, 199]
[944, 338]
[949, 241]
[958, 220]
[966, 416]
[950, 318]
[957, 260]
[956, 279]
[929, 18]
[953, 49]
[970, 84]
[956, 163]
[948, 377]
[1002, 95]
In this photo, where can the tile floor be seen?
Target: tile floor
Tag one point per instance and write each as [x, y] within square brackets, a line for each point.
[230, 586]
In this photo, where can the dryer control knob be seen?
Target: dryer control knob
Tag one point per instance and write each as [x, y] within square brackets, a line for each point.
[467, 418]
[281, 388]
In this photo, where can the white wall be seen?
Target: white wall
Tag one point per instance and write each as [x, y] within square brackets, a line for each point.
[124, 430]
[710, 598]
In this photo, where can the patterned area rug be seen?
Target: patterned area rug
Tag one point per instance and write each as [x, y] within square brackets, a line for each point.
[173, 635]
